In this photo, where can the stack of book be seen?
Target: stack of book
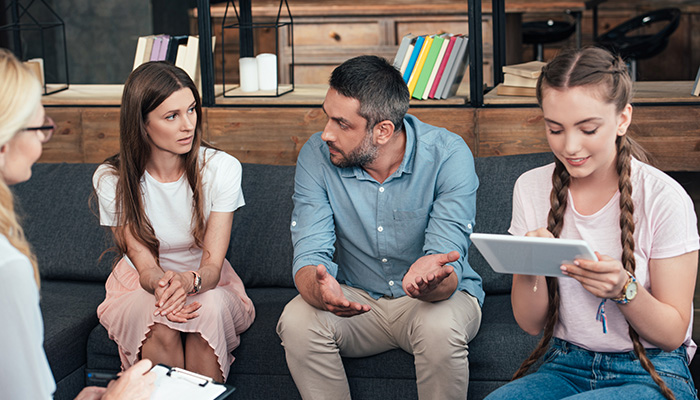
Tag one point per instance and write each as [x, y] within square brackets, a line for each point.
[520, 79]
[182, 51]
[432, 65]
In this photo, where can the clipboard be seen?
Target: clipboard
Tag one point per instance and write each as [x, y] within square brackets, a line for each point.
[178, 383]
[526, 255]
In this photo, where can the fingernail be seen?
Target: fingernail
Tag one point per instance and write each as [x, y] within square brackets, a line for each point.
[576, 263]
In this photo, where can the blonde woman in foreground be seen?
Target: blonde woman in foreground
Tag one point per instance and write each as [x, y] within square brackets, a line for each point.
[24, 369]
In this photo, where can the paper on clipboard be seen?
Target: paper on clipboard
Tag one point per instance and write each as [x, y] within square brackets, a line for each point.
[177, 383]
[525, 255]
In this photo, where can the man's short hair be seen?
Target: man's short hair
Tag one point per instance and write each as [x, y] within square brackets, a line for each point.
[377, 85]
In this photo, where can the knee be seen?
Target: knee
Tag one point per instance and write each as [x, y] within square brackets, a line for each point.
[439, 336]
[164, 336]
[299, 324]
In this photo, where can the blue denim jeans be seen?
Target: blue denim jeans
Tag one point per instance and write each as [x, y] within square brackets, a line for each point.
[571, 372]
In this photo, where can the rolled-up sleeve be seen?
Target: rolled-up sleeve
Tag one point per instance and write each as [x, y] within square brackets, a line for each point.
[312, 225]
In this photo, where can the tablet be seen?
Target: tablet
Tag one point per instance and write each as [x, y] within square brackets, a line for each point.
[526, 255]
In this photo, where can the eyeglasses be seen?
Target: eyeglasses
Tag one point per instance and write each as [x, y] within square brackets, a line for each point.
[47, 129]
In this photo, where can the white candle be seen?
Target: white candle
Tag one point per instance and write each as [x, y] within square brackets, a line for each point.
[267, 71]
[248, 69]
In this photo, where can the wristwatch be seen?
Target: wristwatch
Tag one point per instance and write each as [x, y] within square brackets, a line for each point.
[629, 292]
[197, 283]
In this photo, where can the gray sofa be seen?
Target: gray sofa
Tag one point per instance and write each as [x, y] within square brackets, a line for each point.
[68, 242]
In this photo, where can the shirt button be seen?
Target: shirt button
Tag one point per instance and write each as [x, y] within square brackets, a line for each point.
[391, 283]
[469, 226]
[381, 189]
[384, 260]
[294, 223]
[380, 229]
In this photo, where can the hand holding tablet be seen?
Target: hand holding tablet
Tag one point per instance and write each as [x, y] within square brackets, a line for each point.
[525, 255]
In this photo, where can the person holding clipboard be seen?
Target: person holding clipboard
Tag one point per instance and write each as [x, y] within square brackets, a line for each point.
[24, 369]
[621, 328]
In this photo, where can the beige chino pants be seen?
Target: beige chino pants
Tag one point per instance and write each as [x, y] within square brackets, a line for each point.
[437, 334]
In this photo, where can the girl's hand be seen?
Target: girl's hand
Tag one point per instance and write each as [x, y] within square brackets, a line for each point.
[171, 292]
[541, 232]
[185, 314]
[604, 278]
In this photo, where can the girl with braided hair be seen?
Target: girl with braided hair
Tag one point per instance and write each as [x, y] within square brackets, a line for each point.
[619, 326]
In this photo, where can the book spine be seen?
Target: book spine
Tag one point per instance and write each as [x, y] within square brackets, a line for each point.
[414, 57]
[419, 65]
[441, 69]
[436, 66]
[428, 66]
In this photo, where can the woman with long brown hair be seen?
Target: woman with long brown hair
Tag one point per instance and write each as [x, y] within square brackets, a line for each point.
[619, 327]
[173, 297]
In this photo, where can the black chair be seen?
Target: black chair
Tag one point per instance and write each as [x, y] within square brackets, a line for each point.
[539, 33]
[632, 47]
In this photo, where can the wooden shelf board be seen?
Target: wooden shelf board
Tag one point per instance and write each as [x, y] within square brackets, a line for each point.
[644, 92]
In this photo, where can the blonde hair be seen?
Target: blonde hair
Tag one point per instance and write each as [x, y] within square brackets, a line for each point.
[20, 97]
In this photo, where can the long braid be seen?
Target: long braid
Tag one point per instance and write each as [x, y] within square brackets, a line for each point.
[555, 222]
[627, 238]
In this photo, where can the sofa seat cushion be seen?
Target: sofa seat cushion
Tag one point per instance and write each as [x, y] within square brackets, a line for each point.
[69, 310]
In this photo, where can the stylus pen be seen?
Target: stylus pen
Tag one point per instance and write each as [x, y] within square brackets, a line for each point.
[102, 376]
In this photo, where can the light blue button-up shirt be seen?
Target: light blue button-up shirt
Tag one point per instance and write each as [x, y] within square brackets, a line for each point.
[378, 230]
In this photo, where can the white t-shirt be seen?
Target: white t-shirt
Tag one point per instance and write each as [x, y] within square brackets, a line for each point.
[24, 369]
[665, 226]
[168, 206]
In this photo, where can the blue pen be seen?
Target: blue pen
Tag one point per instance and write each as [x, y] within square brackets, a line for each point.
[102, 376]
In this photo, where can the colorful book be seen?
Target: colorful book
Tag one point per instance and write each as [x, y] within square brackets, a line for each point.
[457, 72]
[438, 61]
[448, 67]
[403, 48]
[419, 64]
[163, 50]
[441, 69]
[414, 57]
[407, 57]
[427, 69]
[155, 50]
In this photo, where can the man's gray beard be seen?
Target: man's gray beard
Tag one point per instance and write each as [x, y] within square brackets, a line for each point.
[360, 156]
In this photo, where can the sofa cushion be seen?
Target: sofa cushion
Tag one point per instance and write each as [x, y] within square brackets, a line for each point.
[494, 202]
[69, 313]
[65, 234]
[260, 249]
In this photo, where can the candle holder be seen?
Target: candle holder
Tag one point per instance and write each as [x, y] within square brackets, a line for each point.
[36, 32]
[282, 21]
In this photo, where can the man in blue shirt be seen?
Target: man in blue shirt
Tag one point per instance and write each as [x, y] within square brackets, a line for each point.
[393, 199]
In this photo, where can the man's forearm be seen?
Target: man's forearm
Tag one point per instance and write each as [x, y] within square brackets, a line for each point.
[307, 285]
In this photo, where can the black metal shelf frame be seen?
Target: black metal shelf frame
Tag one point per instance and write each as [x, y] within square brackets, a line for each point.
[476, 83]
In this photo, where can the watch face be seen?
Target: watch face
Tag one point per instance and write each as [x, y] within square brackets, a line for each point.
[631, 291]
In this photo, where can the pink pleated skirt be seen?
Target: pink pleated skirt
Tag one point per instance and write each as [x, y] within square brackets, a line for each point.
[127, 314]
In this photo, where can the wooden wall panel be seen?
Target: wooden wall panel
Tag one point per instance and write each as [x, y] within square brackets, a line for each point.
[506, 131]
[673, 141]
[263, 135]
[66, 145]
[458, 120]
[100, 133]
